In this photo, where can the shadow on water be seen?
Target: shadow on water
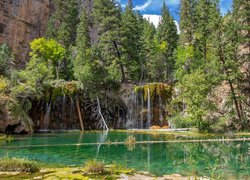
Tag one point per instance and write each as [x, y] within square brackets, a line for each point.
[213, 159]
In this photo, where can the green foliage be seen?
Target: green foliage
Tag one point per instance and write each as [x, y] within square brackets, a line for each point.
[6, 60]
[107, 18]
[4, 85]
[61, 87]
[194, 90]
[156, 90]
[48, 50]
[187, 22]
[18, 165]
[63, 22]
[33, 80]
[131, 46]
[167, 37]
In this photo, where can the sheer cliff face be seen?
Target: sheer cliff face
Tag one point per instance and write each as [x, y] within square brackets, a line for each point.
[20, 22]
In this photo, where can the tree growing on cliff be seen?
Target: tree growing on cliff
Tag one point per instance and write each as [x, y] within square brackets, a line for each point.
[6, 60]
[63, 22]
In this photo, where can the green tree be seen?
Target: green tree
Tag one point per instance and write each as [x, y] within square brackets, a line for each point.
[198, 53]
[49, 51]
[63, 22]
[107, 19]
[147, 49]
[187, 22]
[6, 60]
[131, 45]
[83, 47]
[167, 35]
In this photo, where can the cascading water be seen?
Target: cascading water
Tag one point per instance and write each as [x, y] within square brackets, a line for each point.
[63, 110]
[47, 115]
[71, 115]
[146, 106]
[149, 110]
[142, 109]
[160, 109]
[131, 111]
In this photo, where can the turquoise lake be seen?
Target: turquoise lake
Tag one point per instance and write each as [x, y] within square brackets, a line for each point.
[211, 159]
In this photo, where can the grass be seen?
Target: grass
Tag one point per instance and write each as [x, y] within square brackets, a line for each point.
[18, 165]
[91, 170]
[94, 167]
[4, 137]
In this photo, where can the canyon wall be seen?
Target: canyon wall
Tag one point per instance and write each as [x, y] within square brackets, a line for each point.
[20, 22]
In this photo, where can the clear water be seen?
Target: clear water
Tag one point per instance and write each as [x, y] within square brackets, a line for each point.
[213, 159]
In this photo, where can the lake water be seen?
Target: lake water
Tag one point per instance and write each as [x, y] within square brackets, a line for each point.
[213, 159]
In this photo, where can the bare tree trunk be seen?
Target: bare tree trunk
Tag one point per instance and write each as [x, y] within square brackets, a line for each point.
[100, 112]
[124, 79]
[79, 113]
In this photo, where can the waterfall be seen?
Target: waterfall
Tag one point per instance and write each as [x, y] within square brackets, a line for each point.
[142, 108]
[63, 110]
[131, 107]
[135, 114]
[47, 115]
[160, 109]
[149, 110]
[71, 115]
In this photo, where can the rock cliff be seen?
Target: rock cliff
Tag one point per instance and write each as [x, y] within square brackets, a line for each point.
[20, 22]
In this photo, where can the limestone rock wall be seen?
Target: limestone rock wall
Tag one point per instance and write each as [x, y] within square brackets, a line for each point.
[20, 22]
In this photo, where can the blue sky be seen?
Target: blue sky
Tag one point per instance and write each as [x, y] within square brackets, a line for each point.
[154, 6]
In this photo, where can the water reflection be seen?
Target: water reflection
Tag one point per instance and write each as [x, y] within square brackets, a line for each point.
[213, 159]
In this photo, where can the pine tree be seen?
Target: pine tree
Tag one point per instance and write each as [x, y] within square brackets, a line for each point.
[131, 45]
[187, 22]
[234, 57]
[147, 50]
[107, 17]
[197, 61]
[167, 34]
[82, 46]
[63, 22]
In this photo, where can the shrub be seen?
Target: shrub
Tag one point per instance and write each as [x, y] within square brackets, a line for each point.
[18, 165]
[130, 140]
[94, 166]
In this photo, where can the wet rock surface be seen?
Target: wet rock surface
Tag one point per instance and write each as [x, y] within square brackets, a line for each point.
[13, 121]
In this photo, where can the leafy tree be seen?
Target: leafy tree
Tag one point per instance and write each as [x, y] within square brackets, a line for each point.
[42, 68]
[49, 51]
[194, 89]
[198, 53]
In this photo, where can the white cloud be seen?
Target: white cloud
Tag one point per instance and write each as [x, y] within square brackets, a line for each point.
[144, 6]
[155, 19]
[178, 27]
